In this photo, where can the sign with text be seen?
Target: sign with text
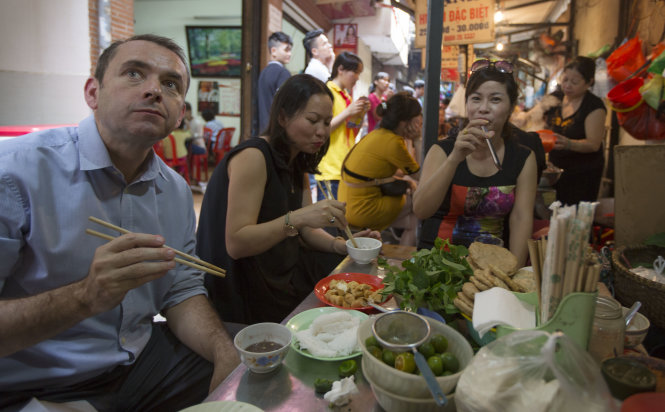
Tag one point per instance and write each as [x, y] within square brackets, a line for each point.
[464, 22]
[449, 57]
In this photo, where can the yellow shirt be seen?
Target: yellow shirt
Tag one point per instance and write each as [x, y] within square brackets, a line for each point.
[341, 139]
[377, 155]
[181, 150]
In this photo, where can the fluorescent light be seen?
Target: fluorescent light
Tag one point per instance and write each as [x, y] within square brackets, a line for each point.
[499, 46]
[498, 16]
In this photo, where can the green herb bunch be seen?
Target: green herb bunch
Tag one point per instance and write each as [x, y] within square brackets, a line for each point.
[431, 279]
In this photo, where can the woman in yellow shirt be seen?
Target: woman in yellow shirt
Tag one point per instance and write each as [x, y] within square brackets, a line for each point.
[347, 117]
[382, 154]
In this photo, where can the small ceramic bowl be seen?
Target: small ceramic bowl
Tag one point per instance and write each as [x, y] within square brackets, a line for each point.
[268, 359]
[625, 377]
[367, 249]
[637, 330]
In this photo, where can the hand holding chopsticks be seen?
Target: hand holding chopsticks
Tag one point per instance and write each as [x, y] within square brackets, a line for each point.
[200, 264]
[329, 195]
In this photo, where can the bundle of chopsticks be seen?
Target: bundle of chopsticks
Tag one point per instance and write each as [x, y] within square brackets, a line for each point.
[564, 262]
[195, 263]
[329, 195]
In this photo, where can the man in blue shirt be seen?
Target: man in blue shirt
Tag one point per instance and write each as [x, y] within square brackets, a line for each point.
[77, 312]
[274, 74]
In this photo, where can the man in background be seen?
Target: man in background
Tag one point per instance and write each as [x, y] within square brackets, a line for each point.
[77, 311]
[213, 127]
[274, 74]
[321, 55]
[419, 90]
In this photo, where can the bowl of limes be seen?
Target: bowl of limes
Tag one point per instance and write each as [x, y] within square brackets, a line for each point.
[447, 353]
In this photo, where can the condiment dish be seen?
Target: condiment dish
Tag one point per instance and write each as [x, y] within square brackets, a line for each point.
[267, 358]
[637, 330]
[368, 249]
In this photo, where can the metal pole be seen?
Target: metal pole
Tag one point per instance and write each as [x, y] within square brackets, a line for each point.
[432, 74]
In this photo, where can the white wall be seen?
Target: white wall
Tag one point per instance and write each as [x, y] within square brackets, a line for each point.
[44, 61]
[169, 17]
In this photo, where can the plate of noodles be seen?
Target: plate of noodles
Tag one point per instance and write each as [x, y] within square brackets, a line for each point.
[326, 333]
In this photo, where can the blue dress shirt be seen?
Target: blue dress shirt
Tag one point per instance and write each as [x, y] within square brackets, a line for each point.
[50, 182]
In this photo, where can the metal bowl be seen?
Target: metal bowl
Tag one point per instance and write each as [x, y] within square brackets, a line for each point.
[550, 176]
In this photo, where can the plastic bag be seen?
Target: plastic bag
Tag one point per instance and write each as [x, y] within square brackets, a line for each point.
[652, 91]
[626, 59]
[636, 117]
[658, 63]
[533, 371]
[603, 83]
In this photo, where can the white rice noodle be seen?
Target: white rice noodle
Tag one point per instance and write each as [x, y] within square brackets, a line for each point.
[331, 335]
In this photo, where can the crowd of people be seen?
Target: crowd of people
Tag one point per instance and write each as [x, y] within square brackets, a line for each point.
[78, 311]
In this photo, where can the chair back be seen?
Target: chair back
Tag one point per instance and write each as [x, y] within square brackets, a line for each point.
[207, 135]
[223, 143]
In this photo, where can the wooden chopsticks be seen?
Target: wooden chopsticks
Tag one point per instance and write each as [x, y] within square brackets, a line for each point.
[200, 264]
[329, 196]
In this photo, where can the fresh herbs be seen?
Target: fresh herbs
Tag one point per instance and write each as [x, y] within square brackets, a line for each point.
[431, 279]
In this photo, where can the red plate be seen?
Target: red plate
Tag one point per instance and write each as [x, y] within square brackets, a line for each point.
[375, 283]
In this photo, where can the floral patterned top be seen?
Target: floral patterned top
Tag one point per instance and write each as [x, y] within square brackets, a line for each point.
[475, 205]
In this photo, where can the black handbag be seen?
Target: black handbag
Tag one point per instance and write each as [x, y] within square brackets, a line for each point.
[394, 188]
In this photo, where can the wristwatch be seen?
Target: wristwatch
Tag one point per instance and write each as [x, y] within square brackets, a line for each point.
[289, 229]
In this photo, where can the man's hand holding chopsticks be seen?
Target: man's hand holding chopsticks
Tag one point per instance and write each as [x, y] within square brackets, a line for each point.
[122, 264]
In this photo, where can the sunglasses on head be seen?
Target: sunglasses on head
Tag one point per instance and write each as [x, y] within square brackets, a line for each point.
[502, 66]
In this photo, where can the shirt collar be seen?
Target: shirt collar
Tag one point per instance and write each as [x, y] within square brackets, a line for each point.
[93, 154]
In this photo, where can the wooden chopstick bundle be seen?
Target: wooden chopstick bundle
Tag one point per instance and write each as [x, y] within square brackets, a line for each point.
[200, 264]
[569, 264]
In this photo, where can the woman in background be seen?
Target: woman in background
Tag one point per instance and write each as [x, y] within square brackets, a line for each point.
[462, 194]
[377, 92]
[579, 125]
[257, 217]
[383, 154]
[347, 118]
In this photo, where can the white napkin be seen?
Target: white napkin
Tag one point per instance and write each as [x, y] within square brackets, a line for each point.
[499, 306]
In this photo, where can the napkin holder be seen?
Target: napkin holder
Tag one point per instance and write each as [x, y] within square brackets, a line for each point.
[573, 316]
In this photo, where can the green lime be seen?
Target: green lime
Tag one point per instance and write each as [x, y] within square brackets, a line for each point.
[440, 343]
[347, 368]
[388, 357]
[450, 362]
[371, 341]
[322, 385]
[375, 351]
[405, 362]
[427, 349]
[446, 373]
[435, 364]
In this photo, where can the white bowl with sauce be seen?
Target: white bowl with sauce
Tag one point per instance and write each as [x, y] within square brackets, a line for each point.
[263, 346]
[368, 249]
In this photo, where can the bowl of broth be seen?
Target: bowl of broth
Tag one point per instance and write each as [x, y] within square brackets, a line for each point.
[263, 346]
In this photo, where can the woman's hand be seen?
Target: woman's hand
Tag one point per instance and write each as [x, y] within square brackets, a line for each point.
[562, 142]
[469, 140]
[357, 107]
[325, 213]
[368, 233]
